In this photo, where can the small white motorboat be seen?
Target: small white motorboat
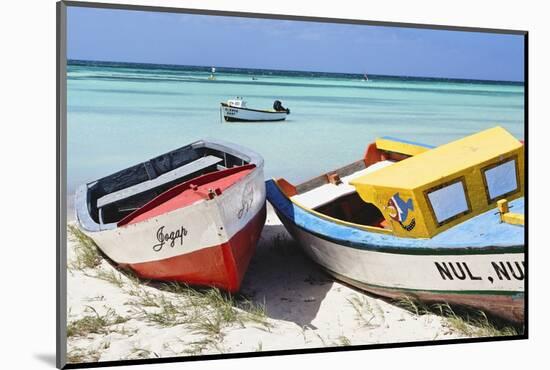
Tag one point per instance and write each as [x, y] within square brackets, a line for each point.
[235, 110]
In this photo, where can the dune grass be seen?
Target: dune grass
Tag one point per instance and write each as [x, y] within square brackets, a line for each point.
[141, 353]
[344, 341]
[86, 252]
[206, 312]
[476, 323]
[111, 276]
[468, 322]
[230, 308]
[79, 355]
[95, 323]
[166, 313]
[364, 312]
[198, 346]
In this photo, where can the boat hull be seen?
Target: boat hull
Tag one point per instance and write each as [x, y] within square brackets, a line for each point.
[233, 114]
[213, 247]
[205, 240]
[491, 280]
[508, 307]
[395, 275]
[222, 266]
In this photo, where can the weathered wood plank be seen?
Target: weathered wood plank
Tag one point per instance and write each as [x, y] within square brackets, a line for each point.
[147, 170]
[185, 170]
[322, 179]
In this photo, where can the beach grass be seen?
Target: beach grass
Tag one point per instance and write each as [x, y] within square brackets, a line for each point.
[475, 323]
[110, 276]
[86, 252]
[230, 308]
[412, 305]
[344, 341]
[208, 325]
[466, 321]
[143, 298]
[167, 314]
[323, 341]
[198, 346]
[204, 312]
[80, 355]
[141, 353]
[364, 312]
[94, 323]
[206, 316]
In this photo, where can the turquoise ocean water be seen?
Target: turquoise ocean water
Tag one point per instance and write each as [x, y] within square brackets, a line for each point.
[121, 114]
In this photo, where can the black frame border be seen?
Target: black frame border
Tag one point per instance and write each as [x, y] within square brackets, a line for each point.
[61, 190]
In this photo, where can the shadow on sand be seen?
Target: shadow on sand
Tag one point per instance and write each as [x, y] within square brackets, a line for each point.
[284, 279]
[292, 287]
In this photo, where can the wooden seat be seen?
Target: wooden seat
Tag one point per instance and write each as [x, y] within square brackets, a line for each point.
[178, 173]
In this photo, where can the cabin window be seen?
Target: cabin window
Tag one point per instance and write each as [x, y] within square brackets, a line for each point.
[448, 201]
[501, 180]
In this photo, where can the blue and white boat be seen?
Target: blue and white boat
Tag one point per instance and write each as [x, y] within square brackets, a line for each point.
[413, 220]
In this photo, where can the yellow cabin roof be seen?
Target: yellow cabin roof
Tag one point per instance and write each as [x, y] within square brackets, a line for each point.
[445, 160]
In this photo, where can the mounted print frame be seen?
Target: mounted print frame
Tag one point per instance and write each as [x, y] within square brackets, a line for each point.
[238, 184]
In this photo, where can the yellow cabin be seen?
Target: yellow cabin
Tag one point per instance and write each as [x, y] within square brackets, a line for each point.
[438, 188]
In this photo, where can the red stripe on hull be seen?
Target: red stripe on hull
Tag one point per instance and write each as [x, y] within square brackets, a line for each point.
[243, 244]
[222, 266]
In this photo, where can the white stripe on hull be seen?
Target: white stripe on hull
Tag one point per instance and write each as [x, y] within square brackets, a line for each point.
[416, 272]
[206, 223]
[250, 115]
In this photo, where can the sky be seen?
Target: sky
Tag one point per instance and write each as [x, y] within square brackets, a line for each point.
[205, 40]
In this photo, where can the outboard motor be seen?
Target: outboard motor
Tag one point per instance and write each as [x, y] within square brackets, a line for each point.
[278, 106]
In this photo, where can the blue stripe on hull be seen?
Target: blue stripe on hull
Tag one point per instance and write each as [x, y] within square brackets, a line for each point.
[480, 234]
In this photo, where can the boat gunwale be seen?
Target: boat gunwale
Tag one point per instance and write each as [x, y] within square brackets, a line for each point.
[178, 189]
[411, 250]
[88, 224]
[327, 217]
[343, 171]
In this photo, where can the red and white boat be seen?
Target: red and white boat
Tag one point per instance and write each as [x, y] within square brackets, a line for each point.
[192, 215]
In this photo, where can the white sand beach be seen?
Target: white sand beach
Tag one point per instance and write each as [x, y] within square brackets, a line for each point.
[293, 304]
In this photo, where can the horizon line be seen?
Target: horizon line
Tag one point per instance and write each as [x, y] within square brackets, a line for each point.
[303, 71]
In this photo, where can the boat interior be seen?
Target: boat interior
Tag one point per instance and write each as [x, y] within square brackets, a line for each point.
[351, 208]
[114, 197]
[493, 158]
[332, 195]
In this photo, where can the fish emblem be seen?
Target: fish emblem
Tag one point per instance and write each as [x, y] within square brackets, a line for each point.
[399, 211]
